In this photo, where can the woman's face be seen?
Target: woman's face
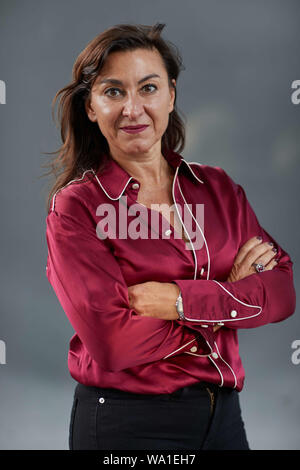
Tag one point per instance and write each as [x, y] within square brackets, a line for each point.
[132, 89]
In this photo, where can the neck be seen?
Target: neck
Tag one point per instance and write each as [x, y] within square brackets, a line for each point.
[151, 168]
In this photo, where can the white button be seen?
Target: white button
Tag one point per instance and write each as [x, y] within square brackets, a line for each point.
[168, 232]
[202, 271]
[204, 326]
[215, 355]
[220, 324]
[135, 186]
[233, 313]
[194, 349]
[101, 400]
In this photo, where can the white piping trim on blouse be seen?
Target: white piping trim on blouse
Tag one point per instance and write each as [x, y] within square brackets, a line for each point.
[201, 355]
[186, 344]
[113, 198]
[241, 302]
[188, 164]
[194, 254]
[222, 378]
[205, 320]
[195, 273]
[197, 355]
[131, 177]
[72, 181]
[195, 257]
[235, 379]
[207, 251]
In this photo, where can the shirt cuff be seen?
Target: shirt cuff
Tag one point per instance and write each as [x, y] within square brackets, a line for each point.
[210, 303]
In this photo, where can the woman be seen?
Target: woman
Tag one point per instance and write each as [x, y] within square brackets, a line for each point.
[156, 261]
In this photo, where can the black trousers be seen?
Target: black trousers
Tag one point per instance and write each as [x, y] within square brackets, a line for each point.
[197, 417]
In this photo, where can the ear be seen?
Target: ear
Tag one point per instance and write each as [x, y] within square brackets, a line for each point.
[89, 110]
[172, 95]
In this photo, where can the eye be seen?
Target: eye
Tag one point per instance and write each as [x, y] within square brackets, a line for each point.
[150, 85]
[116, 92]
[113, 92]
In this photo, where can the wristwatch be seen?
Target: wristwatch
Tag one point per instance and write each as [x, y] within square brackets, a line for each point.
[179, 307]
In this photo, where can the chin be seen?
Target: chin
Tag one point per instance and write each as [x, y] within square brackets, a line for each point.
[138, 148]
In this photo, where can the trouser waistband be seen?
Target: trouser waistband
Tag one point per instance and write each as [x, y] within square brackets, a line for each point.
[87, 391]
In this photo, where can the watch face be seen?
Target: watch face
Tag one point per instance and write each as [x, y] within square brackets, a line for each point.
[179, 307]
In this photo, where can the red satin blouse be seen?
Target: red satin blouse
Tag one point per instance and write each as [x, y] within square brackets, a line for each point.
[90, 267]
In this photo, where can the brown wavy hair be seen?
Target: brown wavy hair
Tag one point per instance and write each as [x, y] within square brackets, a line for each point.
[83, 145]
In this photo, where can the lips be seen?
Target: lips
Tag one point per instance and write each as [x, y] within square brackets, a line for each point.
[134, 129]
[140, 126]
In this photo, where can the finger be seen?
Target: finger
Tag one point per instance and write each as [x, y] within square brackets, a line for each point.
[258, 252]
[267, 256]
[271, 265]
[217, 327]
[244, 250]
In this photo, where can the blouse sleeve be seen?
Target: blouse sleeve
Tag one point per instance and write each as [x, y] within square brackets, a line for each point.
[258, 299]
[91, 289]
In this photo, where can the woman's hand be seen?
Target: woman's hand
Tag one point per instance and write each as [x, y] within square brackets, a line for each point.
[154, 299]
[253, 251]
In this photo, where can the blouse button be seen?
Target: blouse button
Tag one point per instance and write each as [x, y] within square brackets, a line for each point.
[168, 232]
[233, 313]
[135, 186]
[101, 400]
[194, 349]
[215, 355]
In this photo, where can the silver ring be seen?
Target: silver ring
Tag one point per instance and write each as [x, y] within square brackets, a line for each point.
[259, 267]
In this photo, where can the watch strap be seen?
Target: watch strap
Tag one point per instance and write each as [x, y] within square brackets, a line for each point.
[179, 307]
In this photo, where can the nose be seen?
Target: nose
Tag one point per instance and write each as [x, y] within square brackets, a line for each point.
[133, 107]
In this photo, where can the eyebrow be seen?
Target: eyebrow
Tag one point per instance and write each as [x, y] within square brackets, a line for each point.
[114, 81]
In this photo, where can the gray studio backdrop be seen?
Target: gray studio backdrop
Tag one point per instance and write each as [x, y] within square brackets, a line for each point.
[241, 58]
